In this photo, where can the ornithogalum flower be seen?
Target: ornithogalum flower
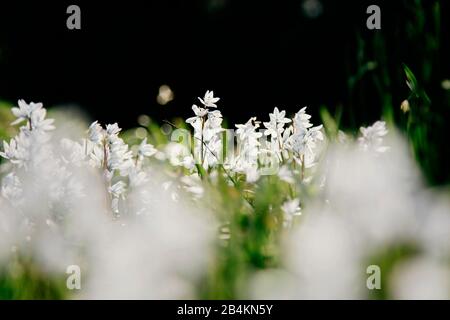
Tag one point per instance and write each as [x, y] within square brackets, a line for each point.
[209, 100]
[372, 137]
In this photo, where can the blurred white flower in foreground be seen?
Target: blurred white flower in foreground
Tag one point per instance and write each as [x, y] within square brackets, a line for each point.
[369, 204]
[372, 137]
[160, 254]
[85, 197]
[113, 219]
[420, 279]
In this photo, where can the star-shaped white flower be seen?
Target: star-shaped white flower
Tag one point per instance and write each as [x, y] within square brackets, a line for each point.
[372, 137]
[117, 189]
[301, 120]
[38, 121]
[208, 100]
[9, 150]
[276, 124]
[96, 132]
[199, 113]
[24, 111]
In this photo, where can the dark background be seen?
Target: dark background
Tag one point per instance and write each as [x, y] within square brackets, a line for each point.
[254, 54]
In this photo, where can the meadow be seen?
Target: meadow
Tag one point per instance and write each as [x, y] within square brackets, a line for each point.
[279, 206]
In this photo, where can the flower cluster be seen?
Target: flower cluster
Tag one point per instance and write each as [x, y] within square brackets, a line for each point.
[31, 151]
[105, 149]
[287, 147]
[291, 142]
[25, 148]
[55, 190]
[248, 144]
[372, 137]
[207, 126]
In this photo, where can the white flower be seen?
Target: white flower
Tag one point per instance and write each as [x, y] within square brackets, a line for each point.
[200, 113]
[372, 137]
[276, 124]
[248, 130]
[38, 121]
[18, 149]
[35, 115]
[297, 143]
[279, 116]
[176, 153]
[97, 156]
[145, 149]
[96, 132]
[303, 141]
[112, 132]
[212, 151]
[112, 129]
[9, 150]
[25, 111]
[315, 133]
[273, 129]
[207, 129]
[117, 189]
[208, 100]
[301, 120]
[119, 157]
[214, 120]
[291, 208]
[248, 146]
